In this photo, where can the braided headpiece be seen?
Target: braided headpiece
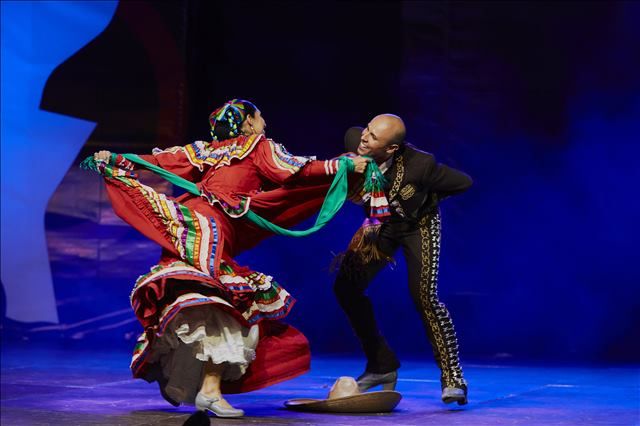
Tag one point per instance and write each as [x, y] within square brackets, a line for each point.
[232, 113]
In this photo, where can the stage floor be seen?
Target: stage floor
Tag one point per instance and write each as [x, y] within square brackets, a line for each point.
[93, 387]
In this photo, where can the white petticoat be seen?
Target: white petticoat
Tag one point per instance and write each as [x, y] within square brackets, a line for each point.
[198, 334]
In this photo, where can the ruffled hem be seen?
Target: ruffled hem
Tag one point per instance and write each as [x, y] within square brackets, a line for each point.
[220, 339]
[254, 295]
[194, 336]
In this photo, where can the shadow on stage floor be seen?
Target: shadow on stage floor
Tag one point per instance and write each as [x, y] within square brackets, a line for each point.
[88, 386]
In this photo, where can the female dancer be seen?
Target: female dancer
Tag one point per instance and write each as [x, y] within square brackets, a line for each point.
[206, 319]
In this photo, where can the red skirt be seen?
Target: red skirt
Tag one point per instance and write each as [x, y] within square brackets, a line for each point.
[199, 242]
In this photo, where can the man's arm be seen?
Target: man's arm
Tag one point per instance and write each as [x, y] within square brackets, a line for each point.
[444, 180]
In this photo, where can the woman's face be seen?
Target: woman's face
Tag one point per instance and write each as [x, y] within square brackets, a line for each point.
[254, 124]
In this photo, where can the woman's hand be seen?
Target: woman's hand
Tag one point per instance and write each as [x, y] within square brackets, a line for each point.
[360, 163]
[102, 156]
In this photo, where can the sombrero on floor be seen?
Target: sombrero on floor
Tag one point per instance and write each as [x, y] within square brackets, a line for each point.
[344, 397]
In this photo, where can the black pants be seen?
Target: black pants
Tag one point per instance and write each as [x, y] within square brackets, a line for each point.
[420, 244]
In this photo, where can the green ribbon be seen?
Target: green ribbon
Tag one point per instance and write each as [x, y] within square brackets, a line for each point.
[333, 201]
[171, 177]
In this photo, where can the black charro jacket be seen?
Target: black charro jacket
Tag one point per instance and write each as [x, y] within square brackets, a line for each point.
[417, 183]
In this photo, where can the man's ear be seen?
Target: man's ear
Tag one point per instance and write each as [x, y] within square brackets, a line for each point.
[392, 148]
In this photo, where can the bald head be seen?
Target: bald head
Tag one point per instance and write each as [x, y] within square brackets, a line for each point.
[382, 137]
[390, 127]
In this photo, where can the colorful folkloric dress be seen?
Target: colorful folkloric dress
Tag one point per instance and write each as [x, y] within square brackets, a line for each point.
[197, 304]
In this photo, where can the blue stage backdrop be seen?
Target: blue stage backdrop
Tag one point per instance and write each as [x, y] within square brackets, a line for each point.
[538, 101]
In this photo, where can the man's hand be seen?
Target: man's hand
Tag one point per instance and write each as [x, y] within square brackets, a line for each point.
[360, 163]
[102, 156]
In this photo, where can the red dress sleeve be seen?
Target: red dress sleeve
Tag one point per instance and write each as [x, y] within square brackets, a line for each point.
[187, 161]
[276, 164]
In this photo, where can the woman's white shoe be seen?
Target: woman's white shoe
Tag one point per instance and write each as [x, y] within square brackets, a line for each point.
[212, 405]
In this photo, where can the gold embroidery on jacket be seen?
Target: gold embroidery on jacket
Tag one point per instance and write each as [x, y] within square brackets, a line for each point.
[397, 180]
[407, 191]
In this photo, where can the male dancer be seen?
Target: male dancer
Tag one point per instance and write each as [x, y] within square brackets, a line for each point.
[417, 184]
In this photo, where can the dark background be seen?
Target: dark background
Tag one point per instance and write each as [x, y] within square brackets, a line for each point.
[538, 101]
